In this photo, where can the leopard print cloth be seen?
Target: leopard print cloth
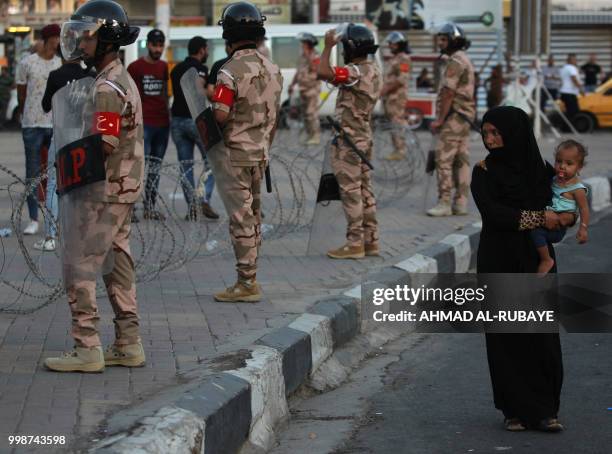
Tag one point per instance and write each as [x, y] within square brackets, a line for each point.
[529, 220]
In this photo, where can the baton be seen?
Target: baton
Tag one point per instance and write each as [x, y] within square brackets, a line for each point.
[268, 180]
[349, 142]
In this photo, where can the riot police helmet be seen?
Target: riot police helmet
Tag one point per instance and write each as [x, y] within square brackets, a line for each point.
[104, 18]
[305, 37]
[242, 21]
[357, 41]
[399, 39]
[456, 37]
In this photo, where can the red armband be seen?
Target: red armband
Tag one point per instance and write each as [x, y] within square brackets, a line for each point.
[108, 123]
[404, 67]
[316, 61]
[341, 75]
[224, 95]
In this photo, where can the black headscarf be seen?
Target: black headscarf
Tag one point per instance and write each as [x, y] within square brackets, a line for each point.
[518, 168]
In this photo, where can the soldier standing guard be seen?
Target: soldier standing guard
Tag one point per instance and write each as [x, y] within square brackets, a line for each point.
[246, 102]
[456, 110]
[102, 218]
[359, 84]
[309, 86]
[395, 92]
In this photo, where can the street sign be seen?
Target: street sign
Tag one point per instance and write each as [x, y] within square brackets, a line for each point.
[471, 14]
[430, 14]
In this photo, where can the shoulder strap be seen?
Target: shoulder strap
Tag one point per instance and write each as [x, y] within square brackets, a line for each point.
[573, 187]
[120, 91]
[115, 86]
[356, 80]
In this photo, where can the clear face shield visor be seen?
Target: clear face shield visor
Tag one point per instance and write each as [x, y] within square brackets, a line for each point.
[73, 34]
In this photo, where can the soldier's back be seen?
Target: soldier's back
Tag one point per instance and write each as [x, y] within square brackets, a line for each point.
[257, 83]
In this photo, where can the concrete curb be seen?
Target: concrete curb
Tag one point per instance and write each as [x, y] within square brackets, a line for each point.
[244, 395]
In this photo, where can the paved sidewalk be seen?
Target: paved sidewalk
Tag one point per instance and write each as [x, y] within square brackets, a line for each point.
[181, 324]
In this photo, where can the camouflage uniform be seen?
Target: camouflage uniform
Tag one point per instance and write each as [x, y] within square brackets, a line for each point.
[310, 91]
[397, 70]
[239, 163]
[452, 155]
[356, 100]
[104, 215]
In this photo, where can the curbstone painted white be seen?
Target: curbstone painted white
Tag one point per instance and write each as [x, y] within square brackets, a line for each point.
[355, 292]
[421, 268]
[321, 338]
[331, 374]
[264, 372]
[463, 251]
[170, 429]
[418, 263]
[600, 192]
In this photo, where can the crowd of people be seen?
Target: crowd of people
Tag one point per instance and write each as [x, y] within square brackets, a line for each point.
[565, 82]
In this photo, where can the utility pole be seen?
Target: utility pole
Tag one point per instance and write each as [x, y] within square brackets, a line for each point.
[537, 125]
[315, 12]
[162, 20]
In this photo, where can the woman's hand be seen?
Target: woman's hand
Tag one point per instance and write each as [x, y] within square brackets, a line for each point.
[552, 221]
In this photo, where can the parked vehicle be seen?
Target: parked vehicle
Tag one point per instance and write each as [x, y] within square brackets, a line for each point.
[595, 109]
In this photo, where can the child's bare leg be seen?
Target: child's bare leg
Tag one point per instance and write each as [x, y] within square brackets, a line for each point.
[546, 261]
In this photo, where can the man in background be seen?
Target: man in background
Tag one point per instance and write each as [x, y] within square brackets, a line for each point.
[37, 128]
[309, 85]
[591, 72]
[151, 76]
[570, 86]
[396, 81]
[552, 82]
[184, 132]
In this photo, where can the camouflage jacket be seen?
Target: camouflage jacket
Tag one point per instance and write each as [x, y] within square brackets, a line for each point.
[256, 83]
[398, 70]
[458, 76]
[115, 93]
[356, 100]
[306, 75]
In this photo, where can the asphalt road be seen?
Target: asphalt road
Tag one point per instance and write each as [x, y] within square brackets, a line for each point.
[429, 394]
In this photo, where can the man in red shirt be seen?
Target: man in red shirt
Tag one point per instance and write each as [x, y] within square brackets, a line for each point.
[151, 76]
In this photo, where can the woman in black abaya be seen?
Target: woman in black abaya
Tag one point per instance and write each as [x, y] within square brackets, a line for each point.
[511, 188]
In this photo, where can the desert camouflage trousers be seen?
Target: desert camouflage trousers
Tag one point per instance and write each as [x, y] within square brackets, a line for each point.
[395, 112]
[309, 100]
[103, 245]
[453, 160]
[240, 190]
[357, 194]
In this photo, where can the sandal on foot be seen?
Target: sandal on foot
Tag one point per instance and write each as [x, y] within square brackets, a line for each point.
[550, 425]
[514, 425]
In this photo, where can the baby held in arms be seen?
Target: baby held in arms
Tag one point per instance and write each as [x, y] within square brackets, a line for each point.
[569, 200]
